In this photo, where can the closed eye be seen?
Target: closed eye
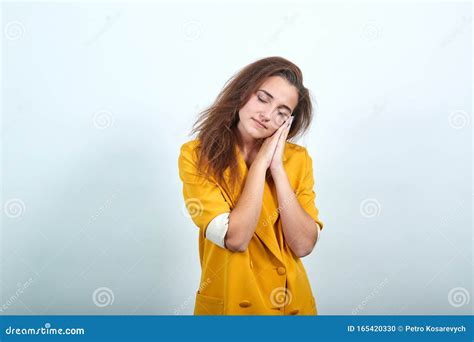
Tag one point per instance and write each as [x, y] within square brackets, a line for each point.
[280, 113]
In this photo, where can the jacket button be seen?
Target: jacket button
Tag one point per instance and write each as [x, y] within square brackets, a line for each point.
[281, 270]
[245, 303]
[294, 312]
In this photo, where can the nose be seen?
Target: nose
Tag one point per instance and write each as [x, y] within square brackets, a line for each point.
[264, 116]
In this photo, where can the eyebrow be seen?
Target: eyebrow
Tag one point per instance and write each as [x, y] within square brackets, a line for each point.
[271, 96]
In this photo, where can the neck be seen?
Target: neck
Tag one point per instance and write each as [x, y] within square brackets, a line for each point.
[246, 143]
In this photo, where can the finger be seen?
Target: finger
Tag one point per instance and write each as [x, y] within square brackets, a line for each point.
[286, 122]
[290, 121]
[280, 129]
[287, 128]
[273, 143]
[283, 130]
[276, 135]
[284, 133]
[284, 125]
[275, 138]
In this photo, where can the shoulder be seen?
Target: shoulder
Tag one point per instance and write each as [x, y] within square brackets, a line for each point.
[189, 145]
[189, 149]
[187, 154]
[294, 152]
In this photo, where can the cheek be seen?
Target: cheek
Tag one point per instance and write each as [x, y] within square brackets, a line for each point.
[246, 111]
[273, 126]
[253, 105]
[270, 131]
[243, 114]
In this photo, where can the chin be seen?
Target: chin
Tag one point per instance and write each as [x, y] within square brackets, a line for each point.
[256, 134]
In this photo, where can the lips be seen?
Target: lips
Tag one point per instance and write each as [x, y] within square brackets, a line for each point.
[259, 124]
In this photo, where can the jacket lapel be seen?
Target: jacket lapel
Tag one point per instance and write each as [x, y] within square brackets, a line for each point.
[265, 230]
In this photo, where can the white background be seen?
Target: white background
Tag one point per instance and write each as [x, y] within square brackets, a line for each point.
[98, 98]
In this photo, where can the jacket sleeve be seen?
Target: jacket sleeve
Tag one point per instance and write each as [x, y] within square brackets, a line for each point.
[203, 199]
[305, 193]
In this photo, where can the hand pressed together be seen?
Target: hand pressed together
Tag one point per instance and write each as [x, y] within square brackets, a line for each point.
[271, 151]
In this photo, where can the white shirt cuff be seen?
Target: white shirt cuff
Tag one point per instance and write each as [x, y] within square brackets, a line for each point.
[217, 229]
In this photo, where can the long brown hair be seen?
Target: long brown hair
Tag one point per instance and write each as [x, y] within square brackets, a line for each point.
[216, 126]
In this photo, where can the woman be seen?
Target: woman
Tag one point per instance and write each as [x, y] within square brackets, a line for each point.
[250, 192]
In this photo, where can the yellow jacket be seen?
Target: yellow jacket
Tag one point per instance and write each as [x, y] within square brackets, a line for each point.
[267, 278]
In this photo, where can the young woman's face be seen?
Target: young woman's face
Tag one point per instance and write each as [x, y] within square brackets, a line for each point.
[268, 108]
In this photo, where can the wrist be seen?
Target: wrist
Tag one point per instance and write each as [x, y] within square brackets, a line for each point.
[259, 166]
[277, 168]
